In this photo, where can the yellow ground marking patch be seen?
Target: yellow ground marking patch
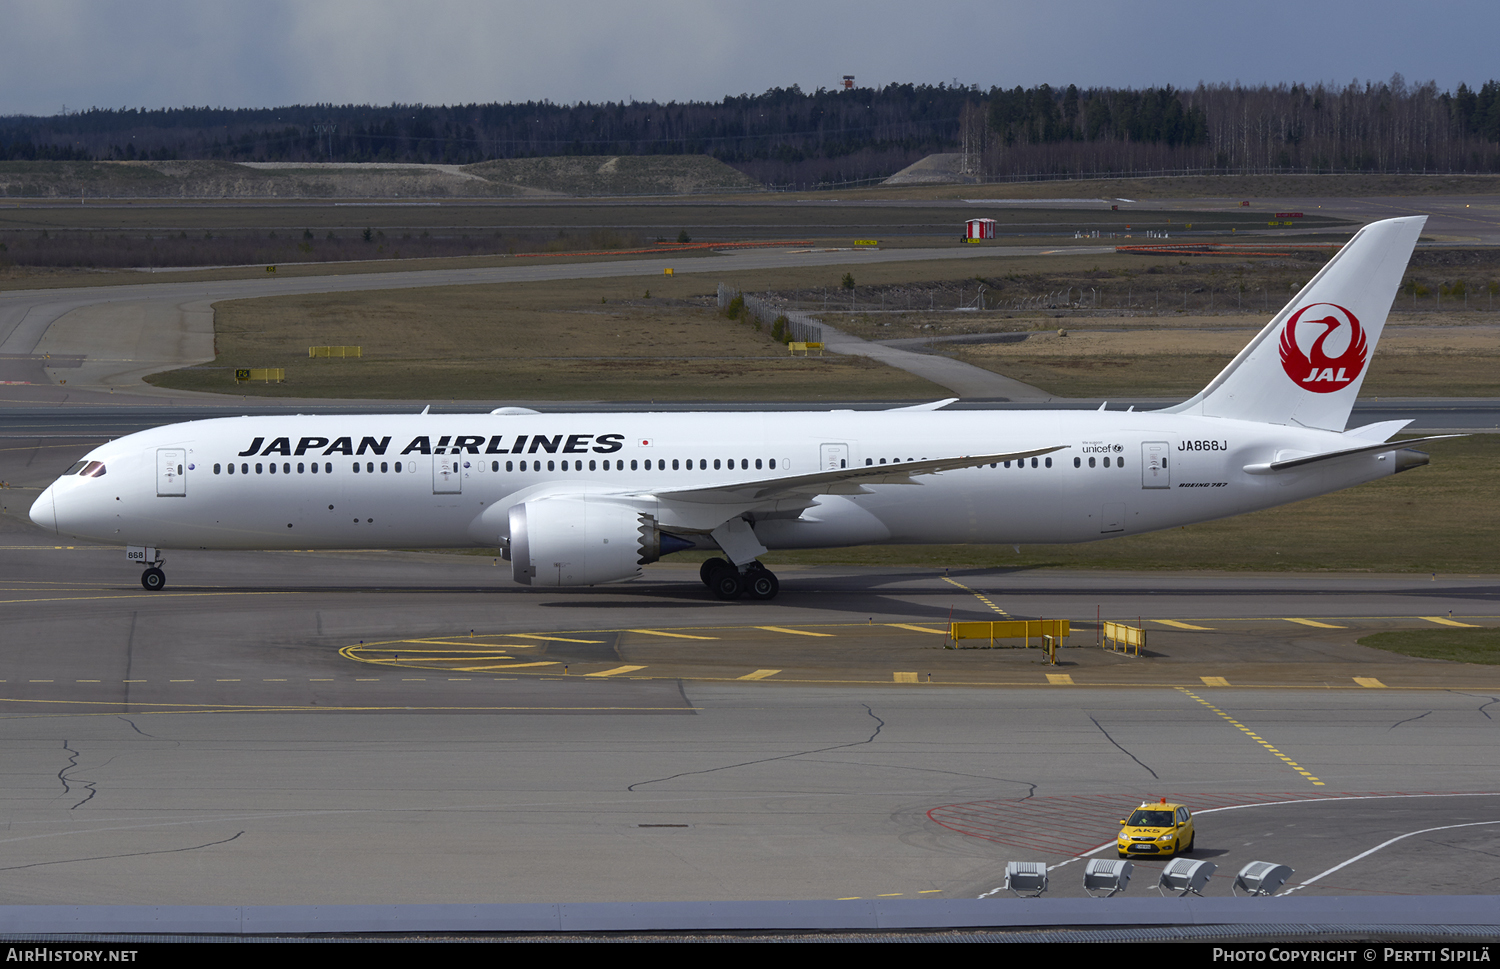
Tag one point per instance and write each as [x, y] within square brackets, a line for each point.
[1183, 625]
[917, 629]
[904, 677]
[1254, 736]
[1214, 681]
[1448, 622]
[1314, 622]
[794, 632]
[658, 632]
[1060, 679]
[1369, 681]
[616, 671]
[759, 674]
[978, 595]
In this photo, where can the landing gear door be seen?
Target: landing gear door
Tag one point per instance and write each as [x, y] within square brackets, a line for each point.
[1155, 472]
[447, 474]
[171, 472]
[835, 457]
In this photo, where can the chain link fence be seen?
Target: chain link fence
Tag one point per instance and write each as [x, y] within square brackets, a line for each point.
[800, 328]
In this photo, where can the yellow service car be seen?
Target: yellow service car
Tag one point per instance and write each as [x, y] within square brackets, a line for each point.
[1156, 828]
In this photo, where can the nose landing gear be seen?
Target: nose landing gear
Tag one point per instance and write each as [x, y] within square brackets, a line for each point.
[153, 579]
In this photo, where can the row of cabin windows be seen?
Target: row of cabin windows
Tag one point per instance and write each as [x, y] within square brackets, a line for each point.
[618, 465]
[657, 464]
[385, 466]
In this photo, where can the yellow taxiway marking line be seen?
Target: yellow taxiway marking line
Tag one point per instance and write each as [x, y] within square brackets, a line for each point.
[263, 681]
[794, 632]
[1370, 682]
[1183, 625]
[929, 891]
[150, 595]
[1256, 737]
[179, 681]
[226, 681]
[917, 629]
[978, 595]
[367, 679]
[1060, 679]
[550, 639]
[504, 666]
[616, 671]
[461, 644]
[85, 681]
[658, 632]
[1314, 622]
[1448, 622]
[1214, 681]
[759, 674]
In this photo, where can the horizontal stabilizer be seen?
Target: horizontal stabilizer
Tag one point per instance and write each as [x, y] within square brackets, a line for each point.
[1272, 467]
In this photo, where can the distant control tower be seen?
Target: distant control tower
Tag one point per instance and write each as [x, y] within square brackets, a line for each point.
[848, 82]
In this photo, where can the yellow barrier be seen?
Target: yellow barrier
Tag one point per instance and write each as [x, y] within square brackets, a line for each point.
[1123, 637]
[335, 351]
[1023, 629]
[804, 348]
[267, 374]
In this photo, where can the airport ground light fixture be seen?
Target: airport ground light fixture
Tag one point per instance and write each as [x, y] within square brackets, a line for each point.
[1107, 877]
[1261, 878]
[1027, 879]
[1184, 875]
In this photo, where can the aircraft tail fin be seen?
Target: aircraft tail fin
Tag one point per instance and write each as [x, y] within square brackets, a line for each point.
[1307, 365]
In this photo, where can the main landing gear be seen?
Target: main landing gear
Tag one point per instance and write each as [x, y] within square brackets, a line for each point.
[154, 579]
[727, 582]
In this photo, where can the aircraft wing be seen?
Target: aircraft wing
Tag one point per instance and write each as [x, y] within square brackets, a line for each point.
[839, 481]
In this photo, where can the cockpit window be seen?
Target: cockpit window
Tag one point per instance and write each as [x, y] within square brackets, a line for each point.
[94, 469]
[75, 468]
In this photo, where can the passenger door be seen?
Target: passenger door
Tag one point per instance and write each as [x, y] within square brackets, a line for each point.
[835, 457]
[1154, 470]
[447, 474]
[171, 472]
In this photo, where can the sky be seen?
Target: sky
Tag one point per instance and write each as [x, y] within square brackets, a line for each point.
[265, 53]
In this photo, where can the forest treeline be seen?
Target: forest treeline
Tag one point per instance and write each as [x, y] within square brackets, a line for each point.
[790, 137]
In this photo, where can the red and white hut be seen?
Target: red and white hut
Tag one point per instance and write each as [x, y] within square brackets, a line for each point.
[980, 229]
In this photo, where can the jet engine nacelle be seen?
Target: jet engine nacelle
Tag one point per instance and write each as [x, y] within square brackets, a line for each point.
[583, 541]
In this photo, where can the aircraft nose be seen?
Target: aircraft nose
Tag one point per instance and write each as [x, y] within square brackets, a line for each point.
[44, 510]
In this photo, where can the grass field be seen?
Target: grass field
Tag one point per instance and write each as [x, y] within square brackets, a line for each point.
[1457, 357]
[583, 340]
[1454, 645]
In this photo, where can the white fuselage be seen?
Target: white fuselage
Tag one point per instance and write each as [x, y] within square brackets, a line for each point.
[1101, 484]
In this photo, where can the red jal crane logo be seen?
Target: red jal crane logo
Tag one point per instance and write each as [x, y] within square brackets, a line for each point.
[1316, 370]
